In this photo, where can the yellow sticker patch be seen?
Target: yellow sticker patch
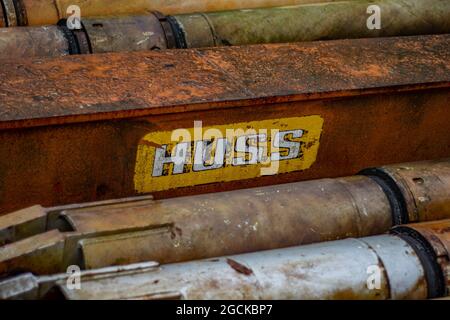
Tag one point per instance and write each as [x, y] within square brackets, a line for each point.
[239, 151]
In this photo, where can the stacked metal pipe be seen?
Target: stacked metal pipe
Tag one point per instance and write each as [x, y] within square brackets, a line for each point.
[332, 20]
[413, 262]
[48, 241]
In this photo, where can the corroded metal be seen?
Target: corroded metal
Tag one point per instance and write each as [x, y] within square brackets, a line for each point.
[411, 263]
[333, 270]
[334, 20]
[98, 35]
[135, 33]
[337, 270]
[32, 42]
[182, 229]
[436, 238]
[71, 128]
[425, 189]
[28, 286]
[266, 25]
[43, 12]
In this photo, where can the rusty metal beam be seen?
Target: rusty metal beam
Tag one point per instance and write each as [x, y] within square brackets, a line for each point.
[154, 31]
[407, 264]
[43, 12]
[135, 230]
[89, 128]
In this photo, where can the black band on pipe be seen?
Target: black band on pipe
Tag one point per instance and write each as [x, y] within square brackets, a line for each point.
[178, 33]
[393, 193]
[434, 275]
[82, 39]
[74, 48]
[168, 30]
[21, 13]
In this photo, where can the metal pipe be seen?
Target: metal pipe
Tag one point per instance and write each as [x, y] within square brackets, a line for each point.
[46, 12]
[137, 33]
[337, 20]
[274, 25]
[402, 265]
[425, 189]
[34, 42]
[173, 230]
[431, 239]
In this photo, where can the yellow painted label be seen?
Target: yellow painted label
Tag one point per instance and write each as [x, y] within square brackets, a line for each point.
[239, 151]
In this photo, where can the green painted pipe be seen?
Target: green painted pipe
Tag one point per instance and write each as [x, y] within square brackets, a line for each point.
[333, 20]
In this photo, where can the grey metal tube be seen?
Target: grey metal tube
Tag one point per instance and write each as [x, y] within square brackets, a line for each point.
[410, 263]
[335, 270]
[19, 42]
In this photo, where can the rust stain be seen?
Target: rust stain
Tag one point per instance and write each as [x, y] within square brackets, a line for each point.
[99, 87]
[239, 267]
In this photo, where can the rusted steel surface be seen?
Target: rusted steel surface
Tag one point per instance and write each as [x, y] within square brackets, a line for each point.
[103, 87]
[182, 229]
[106, 105]
[312, 22]
[43, 12]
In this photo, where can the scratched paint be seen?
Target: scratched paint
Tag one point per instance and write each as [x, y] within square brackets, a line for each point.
[226, 153]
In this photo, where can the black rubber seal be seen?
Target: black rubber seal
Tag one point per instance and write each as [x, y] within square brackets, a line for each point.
[21, 13]
[83, 40]
[434, 275]
[74, 47]
[393, 193]
[180, 39]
